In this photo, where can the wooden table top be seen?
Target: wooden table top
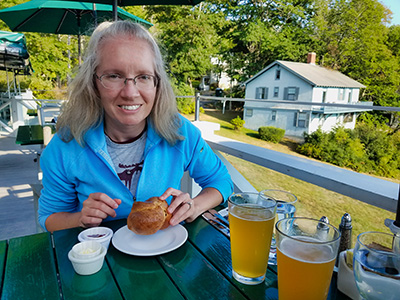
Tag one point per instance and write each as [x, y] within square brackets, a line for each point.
[37, 267]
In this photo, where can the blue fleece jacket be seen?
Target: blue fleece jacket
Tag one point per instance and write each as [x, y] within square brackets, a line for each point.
[72, 172]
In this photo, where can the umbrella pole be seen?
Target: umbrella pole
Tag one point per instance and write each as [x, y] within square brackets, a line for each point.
[115, 10]
[79, 38]
[79, 49]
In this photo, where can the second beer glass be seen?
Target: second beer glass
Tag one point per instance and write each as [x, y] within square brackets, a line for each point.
[251, 219]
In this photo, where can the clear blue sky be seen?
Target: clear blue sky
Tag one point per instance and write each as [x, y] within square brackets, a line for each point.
[394, 6]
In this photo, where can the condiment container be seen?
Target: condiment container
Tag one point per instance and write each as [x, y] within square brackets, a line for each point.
[102, 235]
[84, 265]
[345, 229]
[345, 278]
[86, 249]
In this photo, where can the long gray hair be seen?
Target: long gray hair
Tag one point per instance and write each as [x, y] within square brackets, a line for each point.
[83, 110]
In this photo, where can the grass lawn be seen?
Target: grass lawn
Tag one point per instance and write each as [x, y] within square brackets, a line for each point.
[313, 201]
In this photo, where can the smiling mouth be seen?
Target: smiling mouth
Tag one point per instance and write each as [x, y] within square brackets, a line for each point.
[129, 107]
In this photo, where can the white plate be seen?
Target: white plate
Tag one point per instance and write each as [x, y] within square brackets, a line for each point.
[162, 241]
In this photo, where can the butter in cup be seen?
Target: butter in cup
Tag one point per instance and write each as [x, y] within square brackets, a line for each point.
[86, 249]
[102, 235]
[86, 263]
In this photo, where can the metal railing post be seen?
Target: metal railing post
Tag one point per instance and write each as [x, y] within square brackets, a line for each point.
[197, 107]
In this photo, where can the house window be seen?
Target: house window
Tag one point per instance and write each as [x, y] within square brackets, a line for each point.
[341, 94]
[278, 74]
[323, 96]
[276, 91]
[301, 119]
[249, 112]
[350, 96]
[273, 115]
[261, 93]
[291, 93]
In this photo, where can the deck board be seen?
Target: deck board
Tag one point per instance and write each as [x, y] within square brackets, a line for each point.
[17, 171]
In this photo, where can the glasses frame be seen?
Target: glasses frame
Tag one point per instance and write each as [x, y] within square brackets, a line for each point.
[155, 80]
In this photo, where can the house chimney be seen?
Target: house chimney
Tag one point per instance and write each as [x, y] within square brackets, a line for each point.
[311, 58]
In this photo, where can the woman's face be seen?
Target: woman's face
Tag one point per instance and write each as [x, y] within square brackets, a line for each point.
[126, 108]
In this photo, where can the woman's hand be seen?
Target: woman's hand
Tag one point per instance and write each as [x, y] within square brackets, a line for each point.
[184, 208]
[96, 208]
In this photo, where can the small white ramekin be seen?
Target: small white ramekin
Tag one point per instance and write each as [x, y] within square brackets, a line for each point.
[88, 266]
[102, 235]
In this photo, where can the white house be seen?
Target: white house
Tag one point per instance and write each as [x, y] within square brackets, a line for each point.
[301, 82]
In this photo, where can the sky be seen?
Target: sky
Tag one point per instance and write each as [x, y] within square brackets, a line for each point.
[394, 6]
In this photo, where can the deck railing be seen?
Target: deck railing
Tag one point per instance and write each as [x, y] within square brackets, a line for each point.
[375, 191]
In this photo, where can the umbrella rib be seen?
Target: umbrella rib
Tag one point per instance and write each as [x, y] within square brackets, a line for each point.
[27, 19]
[61, 21]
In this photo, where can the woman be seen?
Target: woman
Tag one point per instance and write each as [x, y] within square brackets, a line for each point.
[120, 139]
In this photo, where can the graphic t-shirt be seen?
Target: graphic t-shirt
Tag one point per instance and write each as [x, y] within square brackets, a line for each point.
[128, 160]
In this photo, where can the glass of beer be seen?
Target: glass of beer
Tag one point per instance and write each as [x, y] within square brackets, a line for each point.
[306, 256]
[251, 222]
[285, 208]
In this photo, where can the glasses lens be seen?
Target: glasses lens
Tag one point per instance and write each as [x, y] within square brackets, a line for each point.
[145, 81]
[111, 81]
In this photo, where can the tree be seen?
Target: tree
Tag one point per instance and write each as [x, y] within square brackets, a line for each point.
[189, 38]
[263, 31]
[52, 56]
[353, 39]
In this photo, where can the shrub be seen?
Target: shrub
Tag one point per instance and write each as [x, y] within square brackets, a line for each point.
[237, 123]
[367, 148]
[271, 134]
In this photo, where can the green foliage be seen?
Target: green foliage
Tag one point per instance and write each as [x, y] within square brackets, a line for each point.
[187, 106]
[367, 148]
[271, 134]
[189, 38]
[351, 36]
[237, 123]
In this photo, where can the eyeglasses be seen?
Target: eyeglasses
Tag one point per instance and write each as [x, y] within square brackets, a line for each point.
[117, 82]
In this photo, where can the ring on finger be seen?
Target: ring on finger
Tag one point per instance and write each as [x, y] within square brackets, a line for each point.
[189, 203]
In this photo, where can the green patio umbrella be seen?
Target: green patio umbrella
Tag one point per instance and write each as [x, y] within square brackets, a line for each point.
[61, 17]
[116, 3]
[13, 53]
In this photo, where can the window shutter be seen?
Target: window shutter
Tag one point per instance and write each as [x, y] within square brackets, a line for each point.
[297, 94]
[266, 93]
[285, 94]
[307, 120]
[296, 115]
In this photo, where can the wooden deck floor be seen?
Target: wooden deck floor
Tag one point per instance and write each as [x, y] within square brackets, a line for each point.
[17, 171]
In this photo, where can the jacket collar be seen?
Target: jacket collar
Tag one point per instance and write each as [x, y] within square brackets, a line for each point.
[95, 137]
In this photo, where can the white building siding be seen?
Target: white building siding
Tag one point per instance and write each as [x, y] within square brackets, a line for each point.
[297, 119]
[287, 79]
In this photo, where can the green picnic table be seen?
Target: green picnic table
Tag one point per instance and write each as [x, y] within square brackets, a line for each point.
[30, 134]
[37, 267]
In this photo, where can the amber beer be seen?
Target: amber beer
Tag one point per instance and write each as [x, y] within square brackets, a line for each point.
[305, 259]
[251, 226]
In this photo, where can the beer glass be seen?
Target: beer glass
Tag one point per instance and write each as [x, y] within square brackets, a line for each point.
[285, 208]
[306, 257]
[251, 221]
[376, 264]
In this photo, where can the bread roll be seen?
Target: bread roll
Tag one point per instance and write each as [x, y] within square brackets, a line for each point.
[149, 216]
